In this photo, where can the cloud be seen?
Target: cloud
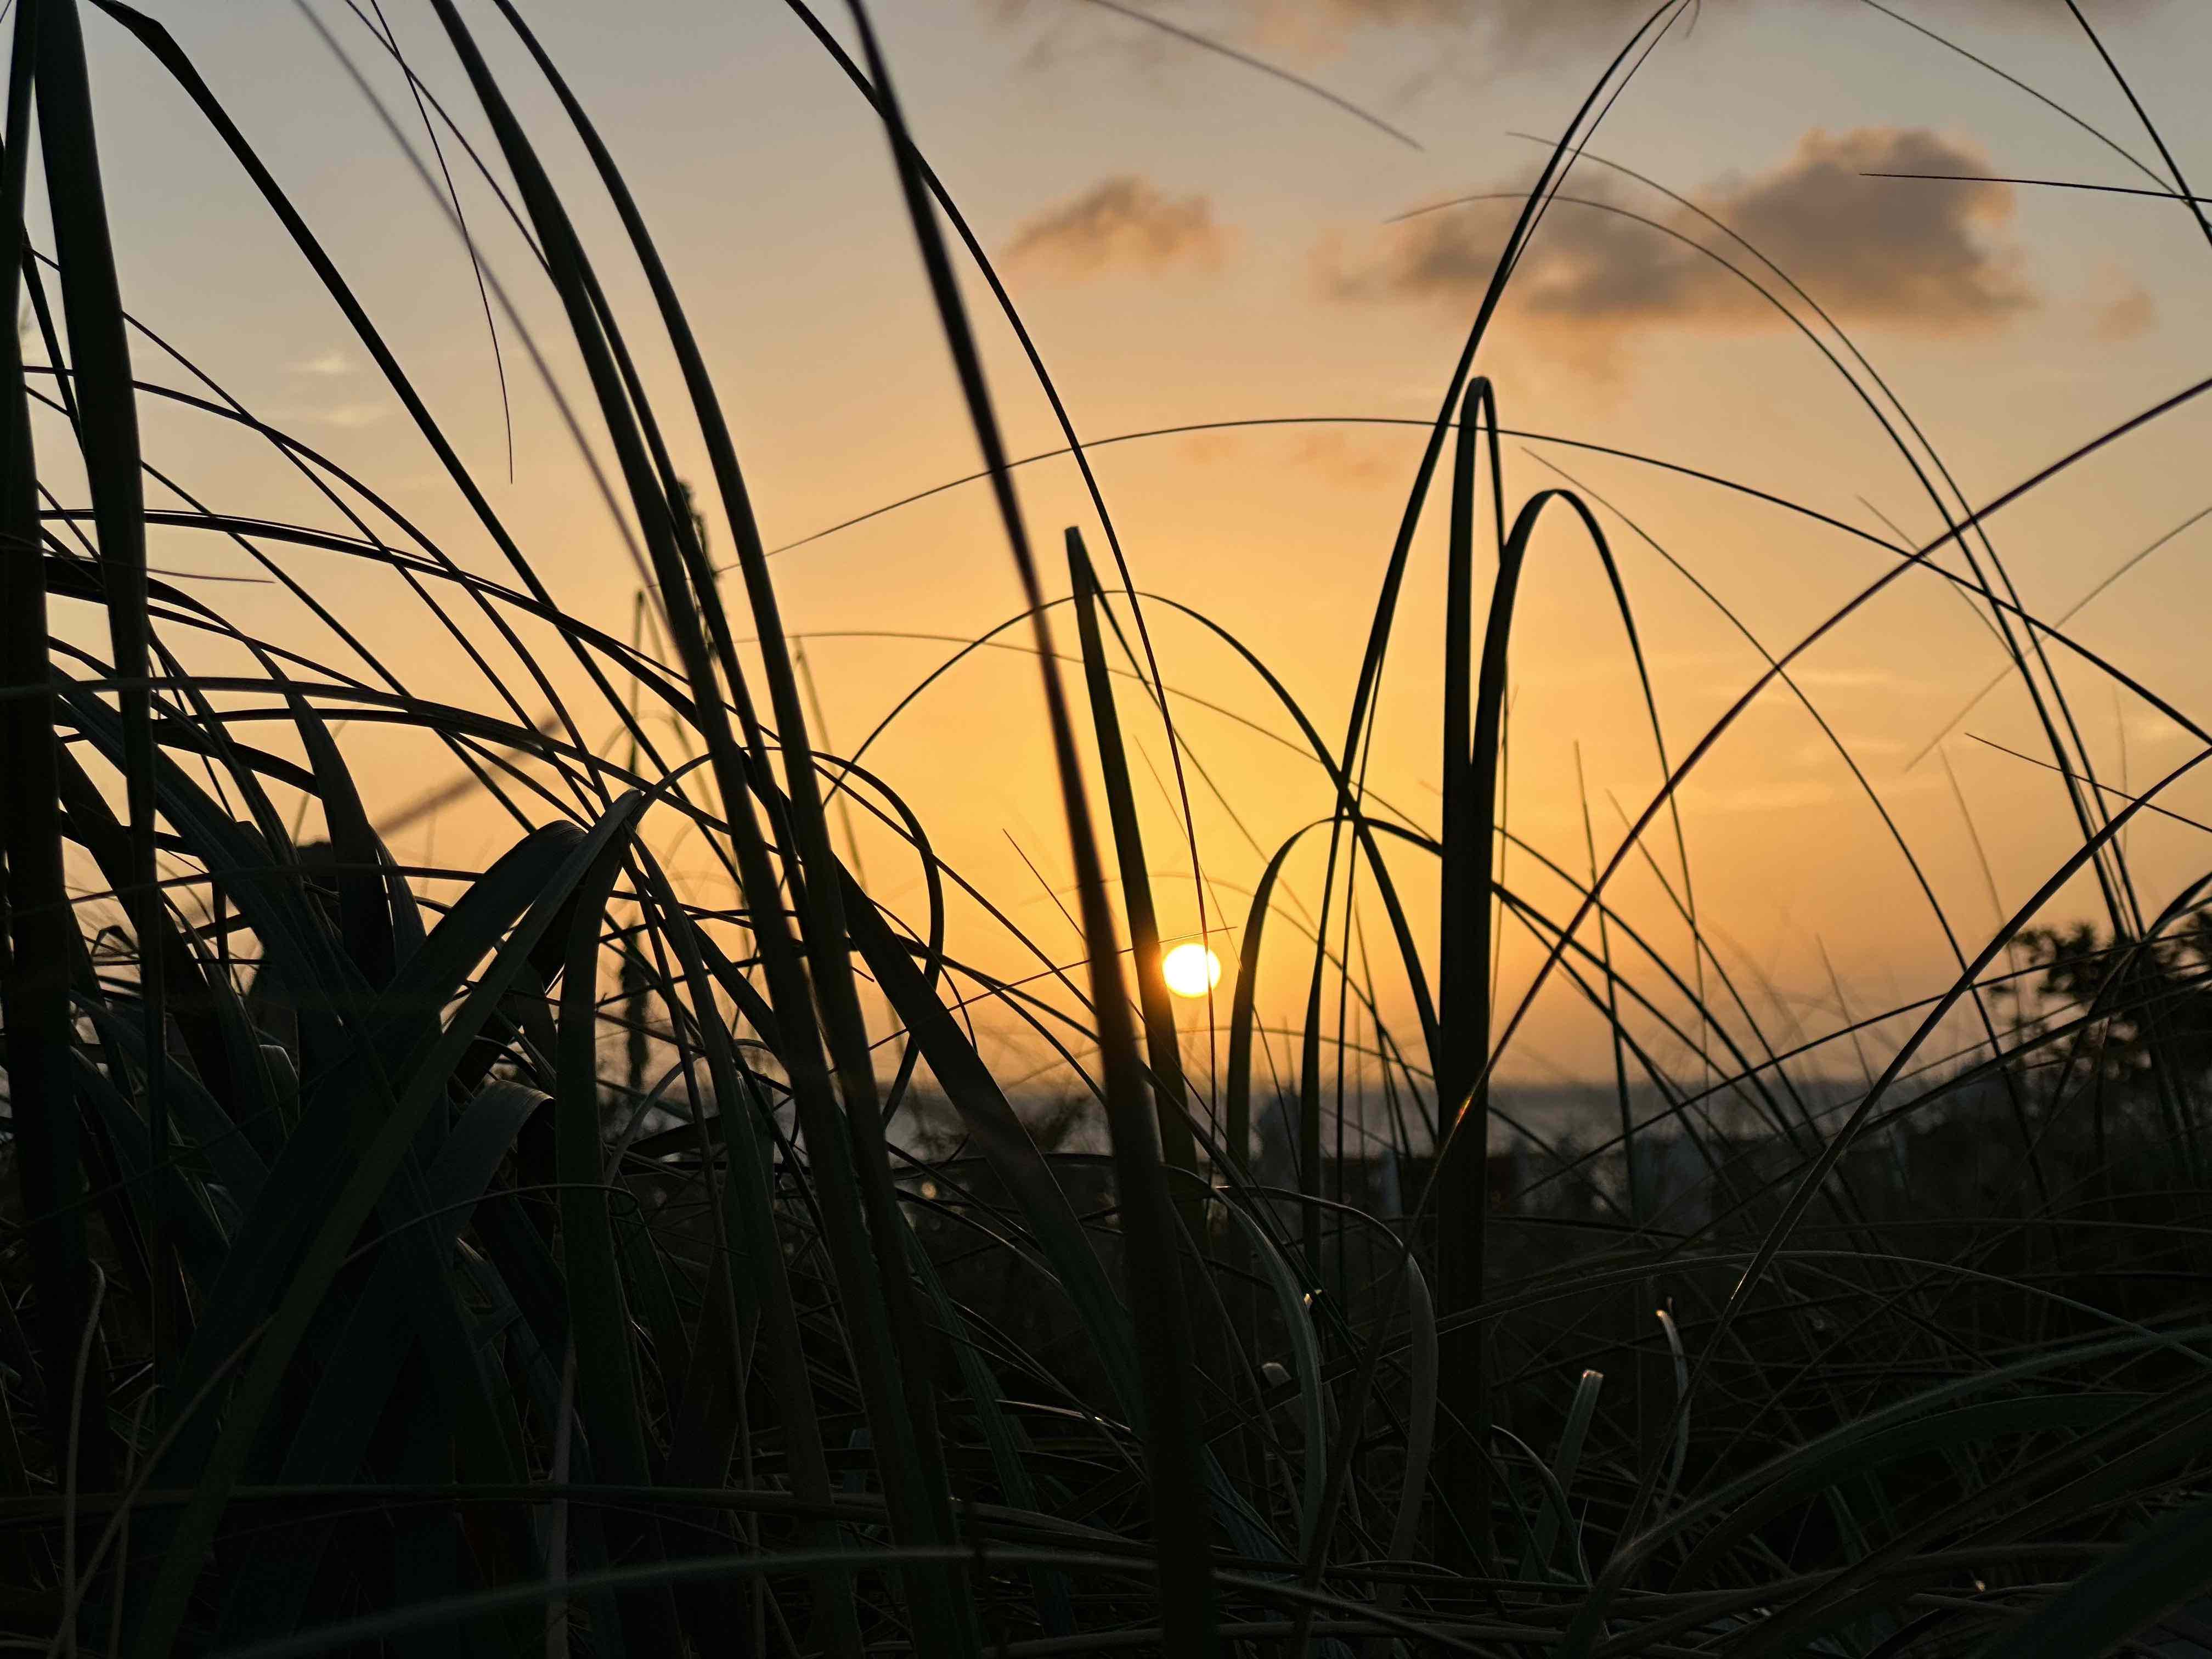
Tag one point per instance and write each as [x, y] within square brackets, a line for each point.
[1416, 11]
[2123, 319]
[348, 416]
[1338, 458]
[1484, 36]
[1208, 448]
[327, 365]
[1329, 455]
[1537, 28]
[2152, 728]
[1891, 252]
[1123, 223]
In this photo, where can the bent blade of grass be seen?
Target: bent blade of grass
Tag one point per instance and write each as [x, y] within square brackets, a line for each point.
[163, 46]
[1293, 1305]
[1459, 1191]
[825, 937]
[1580, 1410]
[1049, 386]
[1681, 1451]
[891, 1349]
[1173, 1451]
[1421, 1414]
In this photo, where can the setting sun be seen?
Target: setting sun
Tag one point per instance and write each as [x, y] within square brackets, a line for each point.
[1191, 970]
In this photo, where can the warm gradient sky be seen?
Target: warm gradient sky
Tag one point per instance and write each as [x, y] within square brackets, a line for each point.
[1194, 241]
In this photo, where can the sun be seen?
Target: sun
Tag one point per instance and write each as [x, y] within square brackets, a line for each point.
[1191, 970]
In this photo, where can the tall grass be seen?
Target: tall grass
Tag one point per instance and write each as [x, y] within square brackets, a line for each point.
[357, 1301]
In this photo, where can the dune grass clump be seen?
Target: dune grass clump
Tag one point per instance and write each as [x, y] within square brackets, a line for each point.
[559, 1256]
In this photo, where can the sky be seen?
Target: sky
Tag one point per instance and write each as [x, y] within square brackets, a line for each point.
[1196, 240]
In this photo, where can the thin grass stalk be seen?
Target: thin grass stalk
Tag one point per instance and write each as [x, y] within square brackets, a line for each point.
[107, 433]
[873, 1275]
[1046, 383]
[913, 1443]
[158, 41]
[1150, 1229]
[1459, 1258]
[828, 951]
[1460, 1182]
[749, 1228]
[1463, 931]
[41, 940]
[1163, 1045]
[2114, 882]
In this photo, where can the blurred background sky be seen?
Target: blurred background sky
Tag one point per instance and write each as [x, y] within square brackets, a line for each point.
[1192, 240]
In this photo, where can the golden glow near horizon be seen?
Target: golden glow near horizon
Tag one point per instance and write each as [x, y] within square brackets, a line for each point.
[1191, 970]
[1160, 265]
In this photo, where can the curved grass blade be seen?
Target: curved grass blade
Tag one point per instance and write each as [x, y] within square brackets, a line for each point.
[1173, 1458]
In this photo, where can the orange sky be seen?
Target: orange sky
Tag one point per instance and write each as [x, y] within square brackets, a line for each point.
[1194, 241]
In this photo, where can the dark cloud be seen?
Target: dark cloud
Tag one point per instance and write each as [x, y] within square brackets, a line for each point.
[1124, 222]
[1897, 254]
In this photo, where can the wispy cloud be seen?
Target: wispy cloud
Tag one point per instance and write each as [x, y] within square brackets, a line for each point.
[346, 417]
[1537, 27]
[2131, 313]
[1332, 455]
[328, 365]
[1340, 458]
[1122, 223]
[1899, 253]
[1501, 33]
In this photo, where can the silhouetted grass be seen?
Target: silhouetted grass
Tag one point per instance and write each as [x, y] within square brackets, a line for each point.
[357, 1301]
